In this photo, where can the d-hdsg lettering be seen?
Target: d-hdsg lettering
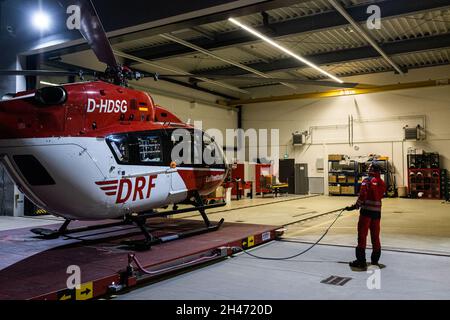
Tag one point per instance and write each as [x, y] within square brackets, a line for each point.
[107, 106]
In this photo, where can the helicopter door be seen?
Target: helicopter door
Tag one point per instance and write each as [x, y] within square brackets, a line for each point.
[150, 150]
[140, 159]
[178, 190]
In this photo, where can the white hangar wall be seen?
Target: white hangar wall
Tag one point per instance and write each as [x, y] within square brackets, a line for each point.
[378, 129]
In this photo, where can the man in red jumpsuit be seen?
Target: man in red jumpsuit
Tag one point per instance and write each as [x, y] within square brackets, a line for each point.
[369, 201]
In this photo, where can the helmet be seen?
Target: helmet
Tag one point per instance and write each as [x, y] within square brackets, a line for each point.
[375, 167]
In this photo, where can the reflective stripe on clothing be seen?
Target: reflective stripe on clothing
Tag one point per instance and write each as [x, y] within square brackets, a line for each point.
[373, 203]
[371, 208]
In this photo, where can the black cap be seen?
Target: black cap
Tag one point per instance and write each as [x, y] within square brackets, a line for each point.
[375, 166]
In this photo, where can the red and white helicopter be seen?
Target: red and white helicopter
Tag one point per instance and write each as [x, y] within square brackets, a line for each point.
[100, 150]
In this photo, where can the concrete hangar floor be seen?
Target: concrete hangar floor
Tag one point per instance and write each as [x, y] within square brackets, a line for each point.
[416, 255]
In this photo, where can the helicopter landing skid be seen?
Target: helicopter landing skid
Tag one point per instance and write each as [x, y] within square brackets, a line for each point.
[49, 234]
[150, 239]
[140, 221]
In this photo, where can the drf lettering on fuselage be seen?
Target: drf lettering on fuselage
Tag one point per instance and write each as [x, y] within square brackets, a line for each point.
[136, 189]
[107, 106]
[124, 190]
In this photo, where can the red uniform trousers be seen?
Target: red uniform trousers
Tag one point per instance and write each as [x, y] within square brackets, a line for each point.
[369, 221]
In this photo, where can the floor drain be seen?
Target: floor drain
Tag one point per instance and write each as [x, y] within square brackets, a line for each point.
[336, 281]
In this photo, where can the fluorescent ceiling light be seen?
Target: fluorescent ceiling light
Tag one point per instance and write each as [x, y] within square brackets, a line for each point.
[285, 50]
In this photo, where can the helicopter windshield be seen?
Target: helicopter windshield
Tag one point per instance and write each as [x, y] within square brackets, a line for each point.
[140, 148]
[188, 148]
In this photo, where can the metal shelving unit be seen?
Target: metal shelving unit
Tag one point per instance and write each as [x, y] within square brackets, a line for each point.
[343, 178]
[425, 178]
[424, 183]
[357, 173]
[445, 185]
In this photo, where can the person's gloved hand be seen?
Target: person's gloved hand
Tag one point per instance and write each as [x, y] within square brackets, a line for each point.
[351, 208]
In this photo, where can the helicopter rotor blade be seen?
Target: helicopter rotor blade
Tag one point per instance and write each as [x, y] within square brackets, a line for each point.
[44, 73]
[94, 33]
[261, 80]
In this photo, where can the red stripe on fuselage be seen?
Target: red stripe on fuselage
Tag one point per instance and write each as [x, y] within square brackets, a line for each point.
[107, 183]
[113, 188]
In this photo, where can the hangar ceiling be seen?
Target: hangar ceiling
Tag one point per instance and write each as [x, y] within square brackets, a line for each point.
[414, 34]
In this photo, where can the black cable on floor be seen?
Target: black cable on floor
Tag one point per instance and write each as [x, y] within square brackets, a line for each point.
[302, 252]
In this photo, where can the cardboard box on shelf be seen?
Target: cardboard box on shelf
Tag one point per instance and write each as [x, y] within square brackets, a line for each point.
[348, 190]
[342, 179]
[335, 157]
[334, 189]
[332, 178]
[350, 179]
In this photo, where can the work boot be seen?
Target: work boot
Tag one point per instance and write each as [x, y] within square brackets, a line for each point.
[360, 261]
[358, 264]
[375, 257]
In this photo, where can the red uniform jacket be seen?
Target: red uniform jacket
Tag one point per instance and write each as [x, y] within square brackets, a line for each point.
[371, 193]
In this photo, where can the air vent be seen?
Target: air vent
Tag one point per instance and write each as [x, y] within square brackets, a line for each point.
[298, 139]
[51, 96]
[413, 133]
[336, 281]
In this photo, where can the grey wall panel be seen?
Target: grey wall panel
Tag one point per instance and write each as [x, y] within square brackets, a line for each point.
[316, 186]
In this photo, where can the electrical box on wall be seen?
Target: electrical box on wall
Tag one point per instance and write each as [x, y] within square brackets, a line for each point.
[298, 139]
[320, 164]
[413, 133]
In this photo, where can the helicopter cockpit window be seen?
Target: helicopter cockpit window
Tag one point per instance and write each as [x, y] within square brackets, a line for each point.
[210, 151]
[150, 149]
[192, 148]
[137, 148]
[121, 148]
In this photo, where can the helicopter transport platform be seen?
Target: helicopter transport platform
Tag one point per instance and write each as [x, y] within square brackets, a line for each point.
[35, 269]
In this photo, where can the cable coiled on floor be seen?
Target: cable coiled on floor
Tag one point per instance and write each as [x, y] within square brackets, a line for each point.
[302, 252]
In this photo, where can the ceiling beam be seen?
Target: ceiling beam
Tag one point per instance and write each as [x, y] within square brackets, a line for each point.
[226, 60]
[140, 23]
[342, 92]
[365, 35]
[176, 71]
[322, 21]
[348, 55]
